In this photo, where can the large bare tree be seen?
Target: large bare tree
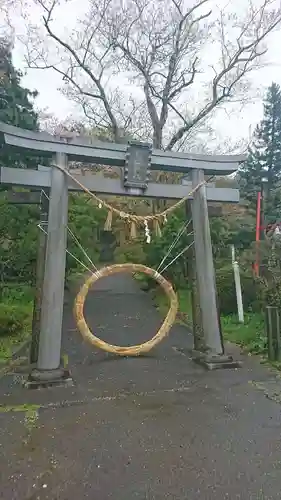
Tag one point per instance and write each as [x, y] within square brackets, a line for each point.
[8, 9]
[154, 68]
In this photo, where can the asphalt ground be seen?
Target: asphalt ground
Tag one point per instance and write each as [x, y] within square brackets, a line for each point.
[155, 427]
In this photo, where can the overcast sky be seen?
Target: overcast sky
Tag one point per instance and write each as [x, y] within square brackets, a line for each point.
[47, 82]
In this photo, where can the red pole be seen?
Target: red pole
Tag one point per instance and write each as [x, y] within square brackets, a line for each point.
[258, 230]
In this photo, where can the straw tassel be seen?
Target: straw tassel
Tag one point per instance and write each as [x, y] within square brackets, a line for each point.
[164, 217]
[157, 228]
[133, 230]
[108, 222]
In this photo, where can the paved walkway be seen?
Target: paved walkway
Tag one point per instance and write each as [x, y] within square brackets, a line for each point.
[151, 428]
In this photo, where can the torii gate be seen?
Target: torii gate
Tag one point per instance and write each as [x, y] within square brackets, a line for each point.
[136, 159]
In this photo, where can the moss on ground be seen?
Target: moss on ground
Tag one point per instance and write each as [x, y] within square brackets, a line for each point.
[25, 408]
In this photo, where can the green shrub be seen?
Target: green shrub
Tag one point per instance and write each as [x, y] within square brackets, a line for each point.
[130, 251]
[169, 247]
[13, 319]
[16, 293]
[227, 295]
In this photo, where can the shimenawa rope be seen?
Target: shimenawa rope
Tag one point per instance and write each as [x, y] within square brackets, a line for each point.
[133, 219]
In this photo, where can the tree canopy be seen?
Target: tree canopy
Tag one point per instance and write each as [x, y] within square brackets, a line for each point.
[16, 108]
[18, 231]
[263, 167]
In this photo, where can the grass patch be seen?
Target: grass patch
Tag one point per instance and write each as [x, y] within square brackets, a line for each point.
[17, 294]
[9, 343]
[250, 335]
[15, 318]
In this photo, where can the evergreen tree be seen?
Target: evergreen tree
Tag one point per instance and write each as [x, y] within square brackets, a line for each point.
[263, 166]
[18, 231]
[16, 108]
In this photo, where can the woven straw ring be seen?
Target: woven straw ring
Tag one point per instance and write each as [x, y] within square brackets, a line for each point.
[135, 350]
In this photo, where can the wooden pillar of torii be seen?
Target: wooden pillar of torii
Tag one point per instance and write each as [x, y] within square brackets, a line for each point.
[136, 160]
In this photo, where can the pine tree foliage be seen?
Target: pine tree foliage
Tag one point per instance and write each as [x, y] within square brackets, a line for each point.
[18, 223]
[263, 167]
[16, 108]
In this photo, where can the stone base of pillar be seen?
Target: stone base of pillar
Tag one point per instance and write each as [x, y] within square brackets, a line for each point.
[48, 378]
[214, 361]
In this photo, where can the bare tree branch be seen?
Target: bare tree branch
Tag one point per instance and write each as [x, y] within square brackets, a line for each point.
[153, 68]
[173, 82]
[240, 61]
[83, 66]
[78, 62]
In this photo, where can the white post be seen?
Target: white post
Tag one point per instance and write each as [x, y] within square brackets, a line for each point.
[238, 290]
